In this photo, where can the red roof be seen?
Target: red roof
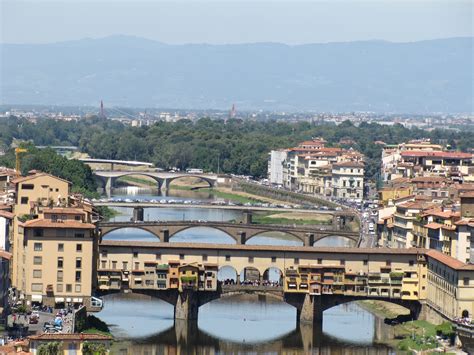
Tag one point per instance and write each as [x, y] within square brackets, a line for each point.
[47, 223]
[5, 255]
[449, 261]
[6, 214]
[436, 154]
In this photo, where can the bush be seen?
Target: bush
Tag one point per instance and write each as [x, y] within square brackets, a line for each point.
[51, 348]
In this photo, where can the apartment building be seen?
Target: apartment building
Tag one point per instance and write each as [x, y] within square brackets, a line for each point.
[276, 159]
[348, 180]
[313, 168]
[5, 258]
[59, 256]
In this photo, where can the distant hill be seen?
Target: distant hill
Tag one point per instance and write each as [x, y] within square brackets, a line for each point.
[426, 76]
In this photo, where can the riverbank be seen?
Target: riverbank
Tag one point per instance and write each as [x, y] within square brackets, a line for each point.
[412, 336]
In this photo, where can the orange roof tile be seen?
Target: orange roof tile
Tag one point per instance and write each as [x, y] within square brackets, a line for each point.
[34, 176]
[433, 225]
[436, 154]
[46, 223]
[449, 261]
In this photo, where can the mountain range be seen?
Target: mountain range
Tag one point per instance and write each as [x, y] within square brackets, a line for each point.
[378, 76]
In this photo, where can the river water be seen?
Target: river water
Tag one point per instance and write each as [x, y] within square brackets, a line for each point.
[239, 325]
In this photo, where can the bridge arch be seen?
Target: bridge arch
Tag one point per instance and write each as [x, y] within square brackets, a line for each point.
[227, 274]
[298, 239]
[273, 274]
[190, 227]
[106, 231]
[321, 240]
[210, 182]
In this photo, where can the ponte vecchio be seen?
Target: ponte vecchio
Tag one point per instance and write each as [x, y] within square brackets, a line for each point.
[311, 279]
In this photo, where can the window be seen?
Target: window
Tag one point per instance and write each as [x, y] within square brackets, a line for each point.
[79, 235]
[68, 288]
[124, 265]
[342, 262]
[60, 262]
[60, 247]
[57, 190]
[27, 186]
[37, 232]
[36, 274]
[114, 265]
[411, 262]
[227, 258]
[250, 259]
[104, 253]
[181, 256]
[77, 218]
[78, 288]
[366, 262]
[388, 263]
[38, 246]
[59, 287]
[297, 261]
[79, 263]
[103, 264]
[204, 257]
[158, 256]
[24, 200]
[79, 248]
[78, 276]
[135, 254]
[60, 276]
[37, 287]
[137, 266]
[320, 261]
[37, 260]
[465, 281]
[274, 259]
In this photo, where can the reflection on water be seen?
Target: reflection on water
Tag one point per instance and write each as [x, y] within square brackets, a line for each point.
[243, 324]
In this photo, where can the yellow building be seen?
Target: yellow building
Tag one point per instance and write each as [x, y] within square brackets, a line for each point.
[71, 343]
[57, 266]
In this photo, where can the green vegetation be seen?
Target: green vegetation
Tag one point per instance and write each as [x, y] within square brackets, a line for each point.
[267, 219]
[92, 325]
[236, 146]
[419, 335]
[89, 348]
[234, 197]
[51, 348]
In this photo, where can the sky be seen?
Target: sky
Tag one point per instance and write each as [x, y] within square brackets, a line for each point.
[232, 21]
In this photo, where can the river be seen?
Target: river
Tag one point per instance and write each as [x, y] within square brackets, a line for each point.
[239, 325]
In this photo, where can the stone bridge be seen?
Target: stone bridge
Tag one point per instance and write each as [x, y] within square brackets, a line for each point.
[309, 308]
[163, 179]
[241, 233]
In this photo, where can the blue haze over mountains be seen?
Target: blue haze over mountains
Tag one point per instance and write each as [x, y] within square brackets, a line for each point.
[417, 77]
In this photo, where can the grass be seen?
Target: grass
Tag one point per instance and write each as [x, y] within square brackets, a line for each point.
[234, 197]
[257, 219]
[96, 331]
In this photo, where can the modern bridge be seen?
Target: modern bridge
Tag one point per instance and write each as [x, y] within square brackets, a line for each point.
[240, 232]
[162, 178]
[311, 279]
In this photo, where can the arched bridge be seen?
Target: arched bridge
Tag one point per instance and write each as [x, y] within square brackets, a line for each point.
[241, 233]
[163, 179]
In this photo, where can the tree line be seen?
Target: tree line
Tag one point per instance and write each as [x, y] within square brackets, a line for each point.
[233, 146]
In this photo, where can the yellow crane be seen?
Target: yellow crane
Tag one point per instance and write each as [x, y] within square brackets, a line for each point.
[17, 159]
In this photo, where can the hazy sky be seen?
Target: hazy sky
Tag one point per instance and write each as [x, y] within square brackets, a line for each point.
[231, 21]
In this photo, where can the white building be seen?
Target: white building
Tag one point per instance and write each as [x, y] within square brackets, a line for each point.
[275, 166]
[348, 180]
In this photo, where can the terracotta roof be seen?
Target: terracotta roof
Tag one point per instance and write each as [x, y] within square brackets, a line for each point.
[34, 176]
[63, 210]
[442, 214]
[433, 225]
[234, 247]
[65, 336]
[429, 179]
[436, 154]
[47, 223]
[417, 205]
[449, 261]
[354, 164]
[464, 222]
[469, 194]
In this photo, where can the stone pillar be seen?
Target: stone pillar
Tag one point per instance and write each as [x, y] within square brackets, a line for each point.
[311, 310]
[109, 184]
[248, 217]
[186, 333]
[187, 305]
[238, 280]
[138, 214]
[241, 238]
[165, 236]
[309, 240]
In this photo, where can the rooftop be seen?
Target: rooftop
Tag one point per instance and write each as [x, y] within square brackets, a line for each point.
[436, 154]
[35, 176]
[47, 223]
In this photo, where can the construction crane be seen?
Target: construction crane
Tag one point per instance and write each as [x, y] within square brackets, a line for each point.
[17, 159]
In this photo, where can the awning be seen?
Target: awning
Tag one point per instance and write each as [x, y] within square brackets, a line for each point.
[138, 279]
[77, 300]
[59, 299]
[68, 299]
[37, 298]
